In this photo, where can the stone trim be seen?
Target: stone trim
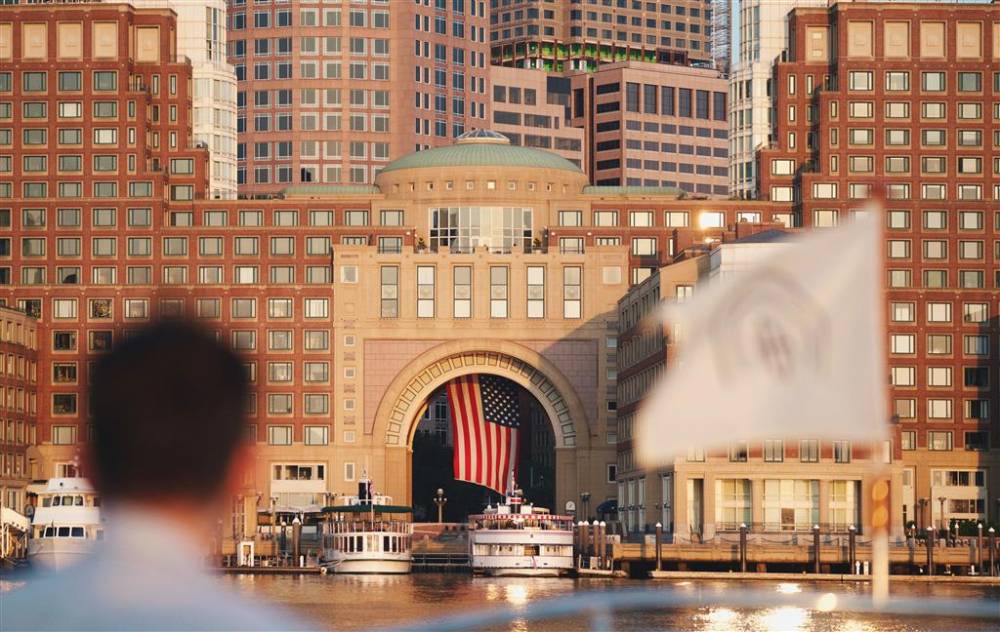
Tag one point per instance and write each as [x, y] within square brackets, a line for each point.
[463, 363]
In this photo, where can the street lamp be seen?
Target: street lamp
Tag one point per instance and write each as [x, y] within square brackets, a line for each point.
[440, 501]
[585, 501]
[944, 524]
[922, 502]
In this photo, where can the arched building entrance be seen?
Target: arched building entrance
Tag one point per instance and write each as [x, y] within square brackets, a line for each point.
[403, 402]
[437, 438]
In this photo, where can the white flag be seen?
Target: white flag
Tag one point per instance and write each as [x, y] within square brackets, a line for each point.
[791, 347]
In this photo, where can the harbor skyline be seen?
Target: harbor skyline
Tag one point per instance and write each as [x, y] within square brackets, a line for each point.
[440, 236]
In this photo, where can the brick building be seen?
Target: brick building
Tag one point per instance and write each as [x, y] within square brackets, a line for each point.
[900, 97]
[330, 94]
[18, 407]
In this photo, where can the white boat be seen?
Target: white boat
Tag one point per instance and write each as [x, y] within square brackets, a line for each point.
[363, 534]
[66, 523]
[518, 539]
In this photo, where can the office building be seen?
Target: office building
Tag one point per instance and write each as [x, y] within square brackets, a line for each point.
[532, 108]
[330, 93]
[762, 39]
[201, 37]
[654, 125]
[580, 35]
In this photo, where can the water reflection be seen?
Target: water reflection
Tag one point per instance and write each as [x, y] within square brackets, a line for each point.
[784, 619]
[363, 602]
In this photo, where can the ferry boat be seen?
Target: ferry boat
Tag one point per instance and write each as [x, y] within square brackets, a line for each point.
[66, 523]
[518, 539]
[367, 534]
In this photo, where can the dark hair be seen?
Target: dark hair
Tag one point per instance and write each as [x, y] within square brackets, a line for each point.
[168, 409]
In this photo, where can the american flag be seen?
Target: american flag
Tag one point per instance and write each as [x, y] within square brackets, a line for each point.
[484, 426]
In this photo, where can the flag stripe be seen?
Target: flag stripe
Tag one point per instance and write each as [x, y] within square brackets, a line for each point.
[485, 450]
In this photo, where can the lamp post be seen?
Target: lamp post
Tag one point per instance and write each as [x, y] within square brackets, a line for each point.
[921, 503]
[979, 548]
[944, 524]
[585, 501]
[440, 500]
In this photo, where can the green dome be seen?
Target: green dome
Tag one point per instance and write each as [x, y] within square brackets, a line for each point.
[482, 148]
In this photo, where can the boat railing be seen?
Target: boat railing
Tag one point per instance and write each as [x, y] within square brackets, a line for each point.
[368, 526]
[516, 523]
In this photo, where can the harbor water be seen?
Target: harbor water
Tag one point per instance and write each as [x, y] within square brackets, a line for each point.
[364, 602]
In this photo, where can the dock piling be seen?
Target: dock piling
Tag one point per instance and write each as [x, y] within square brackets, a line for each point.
[930, 551]
[852, 547]
[816, 548]
[659, 546]
[743, 548]
[993, 551]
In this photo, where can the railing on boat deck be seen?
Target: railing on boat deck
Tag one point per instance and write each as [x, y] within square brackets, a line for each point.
[377, 526]
[515, 522]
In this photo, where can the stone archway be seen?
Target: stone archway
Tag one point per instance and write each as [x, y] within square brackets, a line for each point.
[396, 418]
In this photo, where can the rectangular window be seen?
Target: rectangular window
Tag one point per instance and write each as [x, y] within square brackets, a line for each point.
[498, 291]
[809, 451]
[572, 292]
[939, 440]
[462, 296]
[774, 450]
[536, 291]
[425, 291]
[390, 292]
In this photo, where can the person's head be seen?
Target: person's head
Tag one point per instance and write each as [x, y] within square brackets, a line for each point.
[168, 407]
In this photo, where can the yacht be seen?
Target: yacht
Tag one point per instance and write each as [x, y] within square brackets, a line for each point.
[516, 538]
[367, 534]
[66, 523]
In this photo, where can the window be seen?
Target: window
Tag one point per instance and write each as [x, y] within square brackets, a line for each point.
[498, 291]
[279, 435]
[425, 291]
[572, 292]
[970, 82]
[939, 376]
[902, 343]
[938, 344]
[938, 312]
[536, 292]
[390, 292]
[939, 409]
[774, 450]
[841, 451]
[676, 219]
[897, 81]
[316, 435]
[644, 246]
[978, 441]
[939, 440]
[903, 376]
[570, 218]
[809, 451]
[63, 435]
[462, 294]
[738, 452]
[860, 80]
[976, 344]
